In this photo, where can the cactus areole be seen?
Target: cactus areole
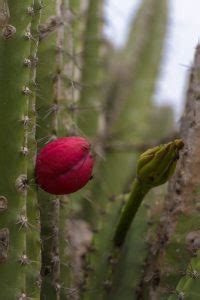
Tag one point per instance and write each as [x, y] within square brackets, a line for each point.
[64, 165]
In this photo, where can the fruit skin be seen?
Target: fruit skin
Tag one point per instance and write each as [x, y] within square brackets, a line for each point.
[64, 165]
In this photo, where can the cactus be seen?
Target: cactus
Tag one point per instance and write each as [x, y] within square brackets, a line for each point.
[98, 260]
[91, 70]
[47, 126]
[122, 121]
[177, 233]
[155, 166]
[20, 248]
[189, 284]
[33, 244]
[60, 70]
[56, 118]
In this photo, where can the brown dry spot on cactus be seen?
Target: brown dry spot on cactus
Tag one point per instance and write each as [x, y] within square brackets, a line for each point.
[4, 244]
[21, 183]
[23, 296]
[3, 203]
[193, 241]
[8, 32]
[50, 26]
[79, 237]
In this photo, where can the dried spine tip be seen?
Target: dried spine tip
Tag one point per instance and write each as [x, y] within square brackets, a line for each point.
[107, 284]
[55, 107]
[26, 90]
[57, 287]
[25, 120]
[55, 259]
[39, 281]
[4, 243]
[24, 150]
[28, 35]
[21, 183]
[3, 203]
[8, 31]
[34, 61]
[24, 260]
[27, 62]
[23, 221]
[23, 297]
[30, 11]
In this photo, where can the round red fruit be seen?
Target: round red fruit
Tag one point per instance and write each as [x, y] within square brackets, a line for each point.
[64, 166]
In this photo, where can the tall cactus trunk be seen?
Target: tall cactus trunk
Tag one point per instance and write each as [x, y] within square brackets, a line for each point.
[46, 106]
[56, 75]
[19, 233]
[91, 70]
[129, 97]
[178, 234]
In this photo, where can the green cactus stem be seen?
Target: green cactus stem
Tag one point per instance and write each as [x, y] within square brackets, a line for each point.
[47, 107]
[189, 285]
[98, 260]
[91, 70]
[155, 167]
[128, 103]
[173, 244]
[33, 245]
[55, 119]
[73, 29]
[19, 228]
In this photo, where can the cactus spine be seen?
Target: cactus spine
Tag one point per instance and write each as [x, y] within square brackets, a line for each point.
[19, 220]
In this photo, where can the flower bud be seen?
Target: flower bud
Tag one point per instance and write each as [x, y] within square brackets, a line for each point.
[157, 165]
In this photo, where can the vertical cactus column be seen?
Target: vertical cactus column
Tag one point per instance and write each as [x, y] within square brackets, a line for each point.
[127, 114]
[55, 119]
[91, 70]
[178, 233]
[33, 244]
[47, 123]
[18, 225]
[74, 25]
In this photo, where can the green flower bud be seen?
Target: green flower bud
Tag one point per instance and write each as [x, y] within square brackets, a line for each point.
[157, 165]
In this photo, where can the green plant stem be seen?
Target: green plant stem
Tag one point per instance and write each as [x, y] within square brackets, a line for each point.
[15, 47]
[33, 244]
[137, 194]
[91, 70]
[46, 105]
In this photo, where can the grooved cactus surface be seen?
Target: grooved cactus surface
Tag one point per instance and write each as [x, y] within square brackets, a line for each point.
[178, 234]
[130, 99]
[46, 107]
[19, 226]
